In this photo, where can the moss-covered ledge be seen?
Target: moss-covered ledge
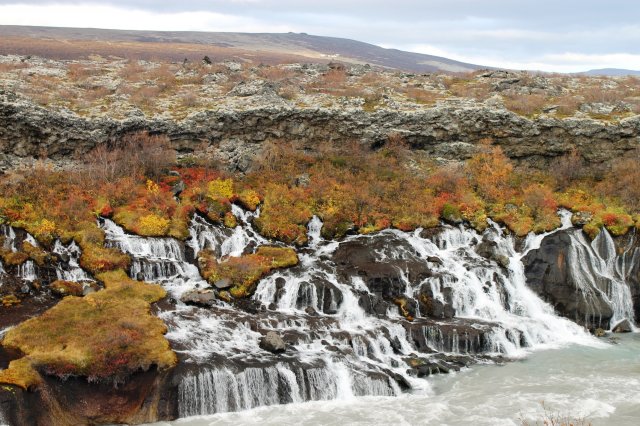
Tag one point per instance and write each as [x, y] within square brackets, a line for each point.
[105, 336]
[243, 273]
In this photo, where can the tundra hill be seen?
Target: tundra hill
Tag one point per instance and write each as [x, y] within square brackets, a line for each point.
[73, 43]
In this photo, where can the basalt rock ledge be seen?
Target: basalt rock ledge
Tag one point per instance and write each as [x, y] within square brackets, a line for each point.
[449, 130]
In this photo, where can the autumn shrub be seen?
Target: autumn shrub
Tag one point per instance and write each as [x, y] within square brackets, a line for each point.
[623, 181]
[285, 213]
[134, 155]
[12, 258]
[567, 169]
[40, 256]
[153, 225]
[132, 71]
[615, 219]
[144, 97]
[420, 95]
[220, 189]
[567, 105]
[66, 288]
[274, 73]
[525, 104]
[249, 199]
[490, 171]
[244, 272]
[543, 206]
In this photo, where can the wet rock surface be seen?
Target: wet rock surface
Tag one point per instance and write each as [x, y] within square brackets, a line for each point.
[549, 274]
[273, 343]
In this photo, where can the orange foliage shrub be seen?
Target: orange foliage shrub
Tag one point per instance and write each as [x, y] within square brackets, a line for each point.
[491, 171]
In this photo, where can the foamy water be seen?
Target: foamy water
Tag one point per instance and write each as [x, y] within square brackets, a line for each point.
[601, 385]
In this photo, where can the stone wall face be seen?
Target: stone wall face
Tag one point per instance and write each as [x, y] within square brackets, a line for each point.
[447, 131]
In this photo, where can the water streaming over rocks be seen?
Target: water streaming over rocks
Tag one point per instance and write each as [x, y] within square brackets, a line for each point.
[368, 315]
[589, 282]
[68, 268]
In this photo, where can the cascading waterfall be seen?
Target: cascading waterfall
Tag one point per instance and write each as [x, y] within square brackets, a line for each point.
[160, 260]
[9, 237]
[70, 270]
[596, 267]
[346, 340]
[27, 271]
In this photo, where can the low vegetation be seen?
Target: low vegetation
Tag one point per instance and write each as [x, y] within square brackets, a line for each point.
[121, 87]
[106, 335]
[243, 273]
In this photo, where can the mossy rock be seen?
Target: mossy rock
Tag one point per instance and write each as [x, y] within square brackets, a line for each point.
[244, 272]
[106, 335]
[66, 288]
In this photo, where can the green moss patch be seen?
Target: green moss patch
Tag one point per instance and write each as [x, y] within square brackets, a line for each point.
[106, 335]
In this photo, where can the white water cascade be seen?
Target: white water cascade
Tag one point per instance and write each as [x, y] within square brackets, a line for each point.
[70, 270]
[338, 312]
[160, 260]
[600, 272]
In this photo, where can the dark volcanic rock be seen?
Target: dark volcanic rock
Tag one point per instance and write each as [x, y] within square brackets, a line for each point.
[447, 130]
[549, 274]
[383, 274]
[623, 326]
[488, 249]
[143, 398]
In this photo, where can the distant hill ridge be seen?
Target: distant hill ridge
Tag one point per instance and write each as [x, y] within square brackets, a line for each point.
[612, 72]
[66, 43]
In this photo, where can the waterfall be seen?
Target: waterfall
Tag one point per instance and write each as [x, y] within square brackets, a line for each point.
[598, 270]
[69, 269]
[222, 390]
[9, 237]
[27, 271]
[160, 260]
[341, 320]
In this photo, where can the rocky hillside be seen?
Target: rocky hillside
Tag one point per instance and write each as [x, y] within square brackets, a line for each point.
[71, 43]
[62, 109]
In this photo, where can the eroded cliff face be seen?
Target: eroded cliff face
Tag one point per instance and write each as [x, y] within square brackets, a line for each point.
[450, 130]
[144, 397]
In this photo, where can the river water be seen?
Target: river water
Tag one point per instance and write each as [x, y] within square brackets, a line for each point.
[599, 384]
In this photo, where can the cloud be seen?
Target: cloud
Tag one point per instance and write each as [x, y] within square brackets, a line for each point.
[545, 34]
[113, 17]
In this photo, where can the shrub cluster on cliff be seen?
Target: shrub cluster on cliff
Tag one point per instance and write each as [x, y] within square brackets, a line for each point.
[111, 333]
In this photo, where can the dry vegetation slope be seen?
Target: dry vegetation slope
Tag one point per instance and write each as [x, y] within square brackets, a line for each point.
[120, 87]
[73, 43]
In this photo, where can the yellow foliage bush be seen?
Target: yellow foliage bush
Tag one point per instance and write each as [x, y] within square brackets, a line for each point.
[45, 230]
[152, 224]
[152, 187]
[220, 189]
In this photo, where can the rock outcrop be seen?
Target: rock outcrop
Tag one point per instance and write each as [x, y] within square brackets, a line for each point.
[450, 130]
[548, 272]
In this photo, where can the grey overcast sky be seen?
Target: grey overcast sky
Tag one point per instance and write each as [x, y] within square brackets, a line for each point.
[550, 35]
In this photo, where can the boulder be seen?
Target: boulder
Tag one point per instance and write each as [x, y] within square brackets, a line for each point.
[204, 298]
[623, 326]
[273, 342]
[549, 274]
[384, 262]
[222, 284]
[489, 249]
